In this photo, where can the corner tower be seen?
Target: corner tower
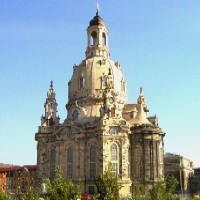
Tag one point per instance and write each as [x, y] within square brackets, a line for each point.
[45, 136]
[50, 119]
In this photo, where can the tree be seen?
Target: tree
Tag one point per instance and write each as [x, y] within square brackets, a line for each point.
[158, 191]
[61, 188]
[31, 195]
[139, 193]
[108, 185]
[4, 196]
[163, 190]
[171, 183]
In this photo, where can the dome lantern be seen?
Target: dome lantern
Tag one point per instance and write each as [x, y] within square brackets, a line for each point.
[97, 37]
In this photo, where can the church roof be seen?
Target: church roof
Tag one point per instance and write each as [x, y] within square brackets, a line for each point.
[129, 108]
[97, 20]
[141, 117]
[9, 168]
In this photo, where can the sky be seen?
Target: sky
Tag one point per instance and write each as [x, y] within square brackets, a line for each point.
[157, 43]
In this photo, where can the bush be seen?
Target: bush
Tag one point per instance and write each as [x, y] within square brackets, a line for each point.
[4, 196]
[61, 188]
[163, 190]
[31, 195]
[108, 185]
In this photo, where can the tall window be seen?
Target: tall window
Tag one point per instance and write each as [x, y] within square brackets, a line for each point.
[81, 83]
[69, 162]
[114, 158]
[103, 39]
[93, 155]
[138, 153]
[93, 38]
[52, 163]
[139, 170]
[75, 115]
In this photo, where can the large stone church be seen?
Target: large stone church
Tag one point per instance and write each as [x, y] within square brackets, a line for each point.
[101, 127]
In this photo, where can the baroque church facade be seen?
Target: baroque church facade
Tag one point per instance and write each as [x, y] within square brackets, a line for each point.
[100, 127]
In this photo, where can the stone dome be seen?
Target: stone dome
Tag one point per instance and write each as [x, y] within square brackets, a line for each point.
[93, 72]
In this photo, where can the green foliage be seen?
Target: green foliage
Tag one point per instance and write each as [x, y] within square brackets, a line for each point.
[61, 188]
[108, 185]
[163, 190]
[31, 195]
[139, 191]
[171, 183]
[158, 192]
[4, 196]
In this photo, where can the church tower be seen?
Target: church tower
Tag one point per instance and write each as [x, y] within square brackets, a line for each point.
[50, 119]
[49, 123]
[97, 95]
[146, 144]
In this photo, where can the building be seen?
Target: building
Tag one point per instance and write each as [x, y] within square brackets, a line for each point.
[16, 180]
[182, 169]
[195, 182]
[2, 178]
[3, 174]
[100, 127]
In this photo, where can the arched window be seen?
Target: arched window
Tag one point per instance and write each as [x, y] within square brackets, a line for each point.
[52, 164]
[69, 162]
[139, 170]
[75, 115]
[93, 38]
[103, 39]
[93, 155]
[114, 159]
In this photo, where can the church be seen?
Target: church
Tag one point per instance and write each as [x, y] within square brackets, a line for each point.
[101, 127]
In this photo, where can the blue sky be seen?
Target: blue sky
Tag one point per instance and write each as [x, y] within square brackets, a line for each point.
[156, 42]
